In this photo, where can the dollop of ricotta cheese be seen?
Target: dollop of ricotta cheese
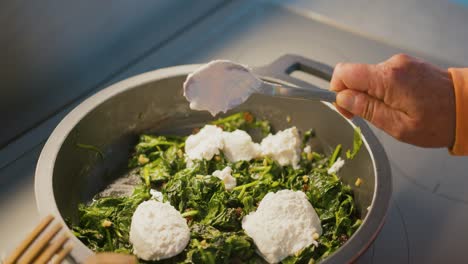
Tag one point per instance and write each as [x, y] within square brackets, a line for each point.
[219, 86]
[205, 144]
[284, 223]
[158, 231]
[284, 147]
[339, 163]
[238, 145]
[210, 140]
[225, 175]
[157, 195]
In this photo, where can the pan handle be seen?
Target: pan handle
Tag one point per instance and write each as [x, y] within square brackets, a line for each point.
[283, 67]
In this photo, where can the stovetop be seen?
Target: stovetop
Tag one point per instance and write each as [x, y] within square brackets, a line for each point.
[429, 208]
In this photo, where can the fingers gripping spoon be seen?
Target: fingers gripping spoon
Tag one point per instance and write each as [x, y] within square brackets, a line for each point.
[222, 85]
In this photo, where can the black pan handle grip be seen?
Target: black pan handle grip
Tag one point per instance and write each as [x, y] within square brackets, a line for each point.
[283, 67]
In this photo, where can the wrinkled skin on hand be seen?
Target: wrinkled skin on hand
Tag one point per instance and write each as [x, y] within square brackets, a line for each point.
[410, 99]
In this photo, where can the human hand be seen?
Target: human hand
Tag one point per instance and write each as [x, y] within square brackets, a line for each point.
[410, 99]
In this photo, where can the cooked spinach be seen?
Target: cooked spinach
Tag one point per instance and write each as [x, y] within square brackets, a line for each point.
[357, 143]
[104, 224]
[214, 215]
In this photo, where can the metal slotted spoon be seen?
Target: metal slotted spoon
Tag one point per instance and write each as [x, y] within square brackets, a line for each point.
[281, 70]
[281, 90]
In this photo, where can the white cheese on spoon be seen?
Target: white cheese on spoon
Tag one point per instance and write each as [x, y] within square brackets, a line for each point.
[219, 86]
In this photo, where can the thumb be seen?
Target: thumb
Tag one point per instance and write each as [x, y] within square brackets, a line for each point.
[369, 108]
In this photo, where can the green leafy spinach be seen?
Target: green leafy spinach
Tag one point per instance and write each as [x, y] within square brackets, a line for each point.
[213, 214]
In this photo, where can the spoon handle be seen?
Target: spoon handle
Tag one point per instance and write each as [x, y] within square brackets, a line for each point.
[311, 93]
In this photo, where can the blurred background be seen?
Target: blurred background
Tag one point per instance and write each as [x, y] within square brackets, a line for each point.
[54, 54]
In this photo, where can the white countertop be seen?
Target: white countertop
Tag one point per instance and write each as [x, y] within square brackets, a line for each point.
[435, 27]
[429, 206]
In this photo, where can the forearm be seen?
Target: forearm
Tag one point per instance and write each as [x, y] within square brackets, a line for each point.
[460, 84]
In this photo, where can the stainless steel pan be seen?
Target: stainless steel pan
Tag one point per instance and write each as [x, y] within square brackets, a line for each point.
[152, 102]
